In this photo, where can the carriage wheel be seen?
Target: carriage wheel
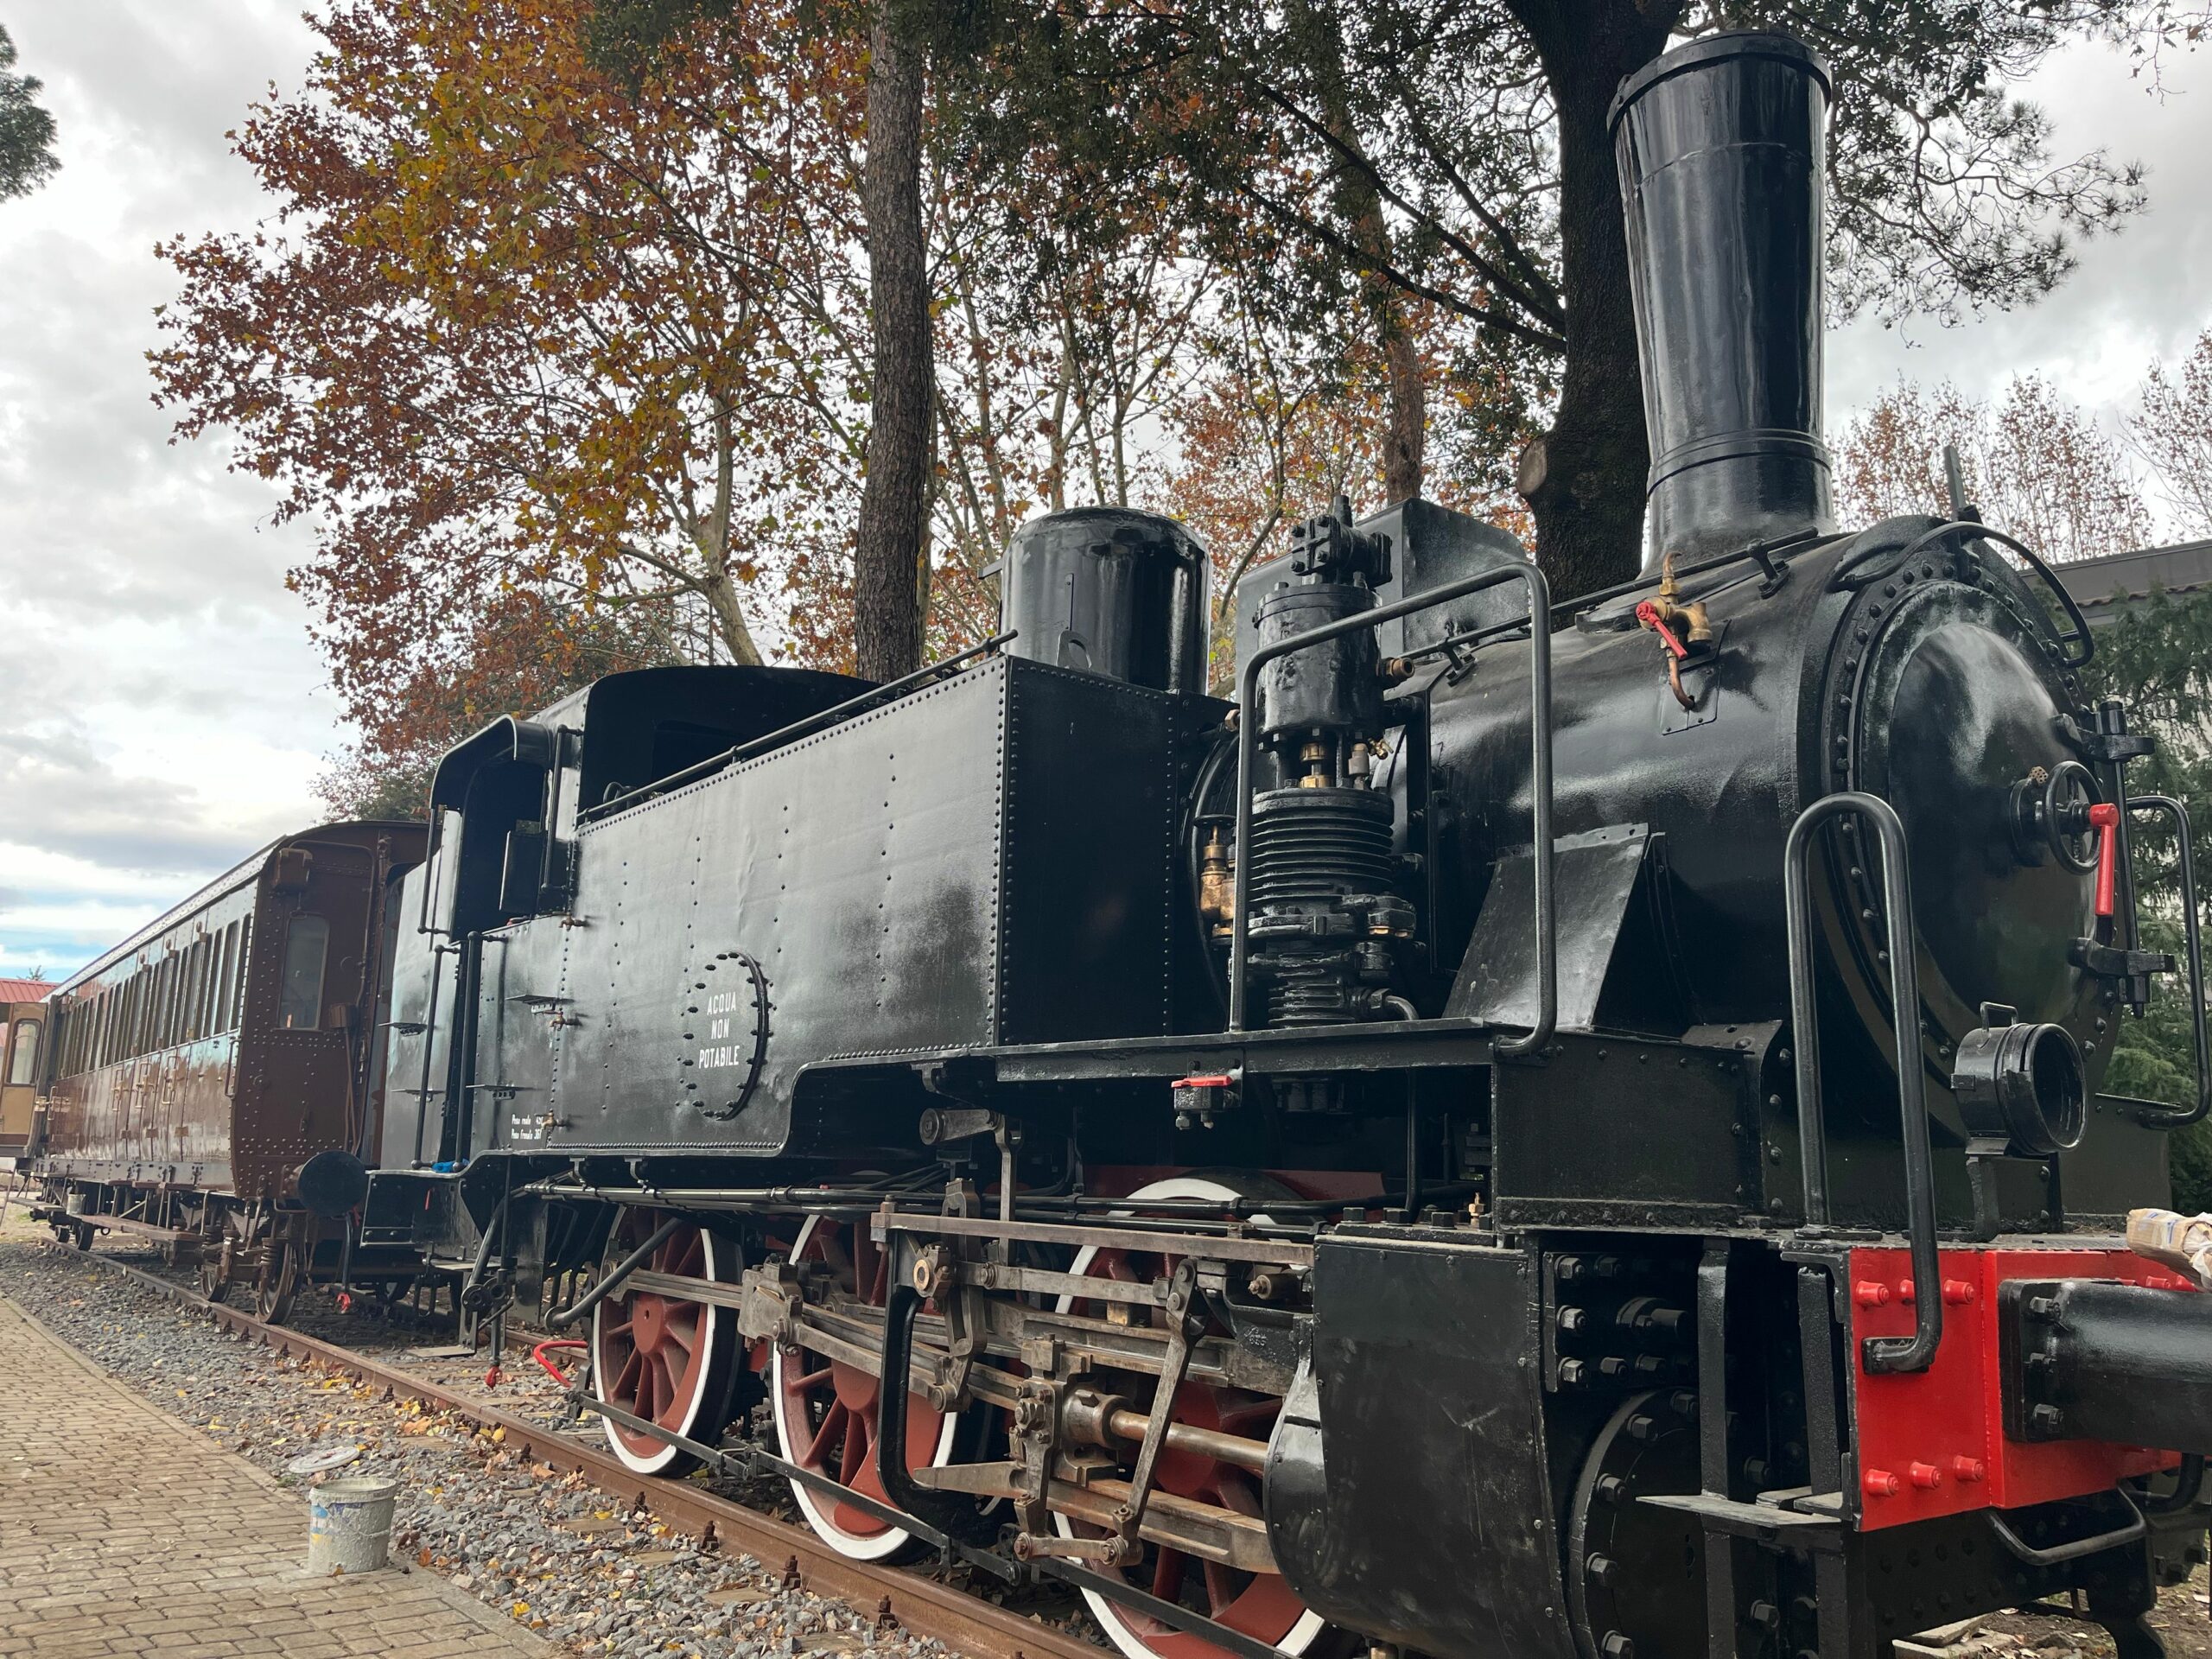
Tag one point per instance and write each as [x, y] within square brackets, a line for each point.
[827, 1411]
[1261, 1605]
[277, 1282]
[83, 1235]
[666, 1359]
[214, 1269]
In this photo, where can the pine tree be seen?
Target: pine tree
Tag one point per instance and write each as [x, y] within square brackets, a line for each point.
[27, 158]
[2157, 659]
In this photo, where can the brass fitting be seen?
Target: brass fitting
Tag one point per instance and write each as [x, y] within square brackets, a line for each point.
[1690, 620]
[1216, 884]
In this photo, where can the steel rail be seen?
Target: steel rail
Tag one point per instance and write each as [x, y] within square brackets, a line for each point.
[921, 1605]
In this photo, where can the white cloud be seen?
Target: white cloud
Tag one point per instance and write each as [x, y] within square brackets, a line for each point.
[2134, 296]
[161, 711]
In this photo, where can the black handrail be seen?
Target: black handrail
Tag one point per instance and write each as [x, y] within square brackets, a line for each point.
[1972, 530]
[1917, 1352]
[2181, 1117]
[1539, 776]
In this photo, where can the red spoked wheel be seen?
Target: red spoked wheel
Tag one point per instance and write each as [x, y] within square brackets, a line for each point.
[827, 1411]
[667, 1360]
[1260, 1604]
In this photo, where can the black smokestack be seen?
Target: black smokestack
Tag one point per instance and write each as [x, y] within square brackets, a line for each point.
[1721, 146]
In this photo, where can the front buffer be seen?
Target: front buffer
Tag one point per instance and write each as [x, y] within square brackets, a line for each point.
[1624, 1446]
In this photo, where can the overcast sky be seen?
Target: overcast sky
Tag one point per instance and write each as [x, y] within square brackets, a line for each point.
[161, 711]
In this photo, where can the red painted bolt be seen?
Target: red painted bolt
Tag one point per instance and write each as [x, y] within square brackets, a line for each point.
[1926, 1476]
[1880, 1483]
[1904, 1292]
[1966, 1470]
[1958, 1290]
[1871, 1293]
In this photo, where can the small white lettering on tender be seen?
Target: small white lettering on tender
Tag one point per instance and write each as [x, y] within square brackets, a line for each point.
[718, 1051]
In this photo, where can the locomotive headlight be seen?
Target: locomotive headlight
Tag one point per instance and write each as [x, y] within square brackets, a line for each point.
[2022, 1085]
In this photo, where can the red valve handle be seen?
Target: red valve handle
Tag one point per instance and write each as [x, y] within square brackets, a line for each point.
[1647, 613]
[2104, 817]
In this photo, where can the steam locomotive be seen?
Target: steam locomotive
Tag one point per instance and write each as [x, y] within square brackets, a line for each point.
[1419, 1154]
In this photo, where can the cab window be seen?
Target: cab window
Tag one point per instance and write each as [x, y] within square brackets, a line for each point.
[306, 942]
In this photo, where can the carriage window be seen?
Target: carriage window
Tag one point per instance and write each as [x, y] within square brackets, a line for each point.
[227, 979]
[245, 967]
[305, 944]
[22, 1066]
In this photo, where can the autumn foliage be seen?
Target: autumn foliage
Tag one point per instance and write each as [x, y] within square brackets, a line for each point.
[514, 333]
[2033, 464]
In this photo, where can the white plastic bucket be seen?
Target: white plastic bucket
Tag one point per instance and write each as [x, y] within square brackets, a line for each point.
[349, 1526]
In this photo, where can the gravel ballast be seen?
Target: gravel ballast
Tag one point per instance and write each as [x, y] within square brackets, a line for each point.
[551, 1551]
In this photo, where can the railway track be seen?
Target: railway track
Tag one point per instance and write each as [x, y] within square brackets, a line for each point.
[920, 1605]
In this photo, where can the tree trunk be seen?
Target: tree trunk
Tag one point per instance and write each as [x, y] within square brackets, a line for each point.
[888, 543]
[1584, 479]
[721, 593]
[1405, 435]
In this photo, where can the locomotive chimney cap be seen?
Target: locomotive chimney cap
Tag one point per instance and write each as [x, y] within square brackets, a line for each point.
[1721, 147]
[1712, 48]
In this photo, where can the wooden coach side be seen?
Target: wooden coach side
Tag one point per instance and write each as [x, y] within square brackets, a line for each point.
[226, 1043]
[22, 1063]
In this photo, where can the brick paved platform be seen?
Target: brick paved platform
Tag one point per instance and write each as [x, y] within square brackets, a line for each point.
[123, 1532]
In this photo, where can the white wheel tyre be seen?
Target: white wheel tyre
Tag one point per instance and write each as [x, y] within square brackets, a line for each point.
[1299, 1626]
[663, 1359]
[850, 1532]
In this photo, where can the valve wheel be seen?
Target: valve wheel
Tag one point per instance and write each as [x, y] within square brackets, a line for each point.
[1261, 1605]
[827, 1412]
[669, 1360]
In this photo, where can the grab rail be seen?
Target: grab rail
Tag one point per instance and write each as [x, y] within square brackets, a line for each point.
[2077, 630]
[1540, 777]
[2181, 1117]
[1917, 1352]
